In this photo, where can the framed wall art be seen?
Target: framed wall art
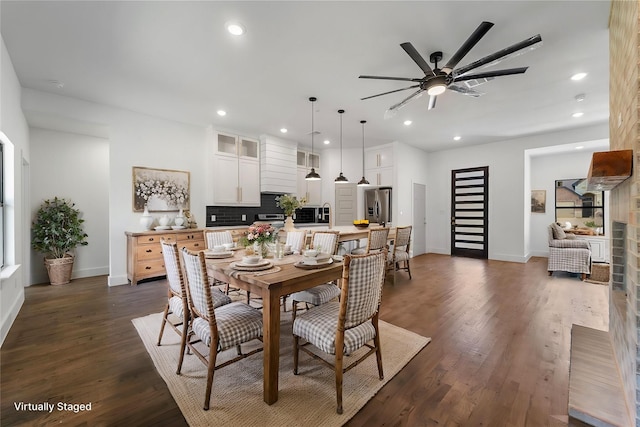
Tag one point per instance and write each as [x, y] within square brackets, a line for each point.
[160, 189]
[538, 201]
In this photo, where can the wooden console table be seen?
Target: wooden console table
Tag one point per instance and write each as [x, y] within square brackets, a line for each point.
[144, 253]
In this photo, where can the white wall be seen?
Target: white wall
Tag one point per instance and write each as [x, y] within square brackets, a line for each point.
[14, 126]
[411, 167]
[75, 167]
[134, 140]
[545, 170]
[506, 161]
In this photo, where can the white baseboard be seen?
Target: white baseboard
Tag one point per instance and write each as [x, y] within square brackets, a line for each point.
[11, 315]
[117, 280]
[90, 272]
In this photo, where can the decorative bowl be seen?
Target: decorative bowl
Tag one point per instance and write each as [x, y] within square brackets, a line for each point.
[361, 225]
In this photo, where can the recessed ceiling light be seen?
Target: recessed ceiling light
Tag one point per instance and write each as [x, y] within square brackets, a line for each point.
[578, 76]
[407, 122]
[579, 147]
[235, 28]
[457, 138]
[283, 130]
[577, 114]
[222, 113]
[327, 142]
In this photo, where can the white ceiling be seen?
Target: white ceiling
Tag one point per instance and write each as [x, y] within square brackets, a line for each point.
[176, 60]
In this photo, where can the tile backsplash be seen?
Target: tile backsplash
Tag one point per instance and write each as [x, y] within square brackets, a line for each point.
[232, 215]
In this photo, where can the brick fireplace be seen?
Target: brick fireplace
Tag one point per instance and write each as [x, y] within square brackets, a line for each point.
[624, 107]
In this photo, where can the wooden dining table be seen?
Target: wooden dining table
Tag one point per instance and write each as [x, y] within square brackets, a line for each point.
[283, 280]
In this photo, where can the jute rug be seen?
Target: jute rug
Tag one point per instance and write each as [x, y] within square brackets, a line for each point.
[307, 399]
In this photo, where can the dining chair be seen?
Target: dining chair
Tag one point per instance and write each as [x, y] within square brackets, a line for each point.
[217, 238]
[327, 241]
[177, 294]
[219, 328]
[341, 328]
[400, 253]
[296, 239]
[376, 241]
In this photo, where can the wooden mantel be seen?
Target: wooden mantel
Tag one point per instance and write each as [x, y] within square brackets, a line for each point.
[609, 168]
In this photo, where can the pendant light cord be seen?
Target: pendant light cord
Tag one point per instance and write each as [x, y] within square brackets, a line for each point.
[341, 140]
[363, 122]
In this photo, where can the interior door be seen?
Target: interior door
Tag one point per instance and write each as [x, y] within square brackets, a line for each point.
[346, 204]
[470, 212]
[419, 243]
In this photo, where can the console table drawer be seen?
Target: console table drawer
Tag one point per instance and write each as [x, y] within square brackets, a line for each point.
[155, 239]
[151, 268]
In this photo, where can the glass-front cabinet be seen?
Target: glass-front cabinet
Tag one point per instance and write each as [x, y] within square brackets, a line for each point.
[236, 171]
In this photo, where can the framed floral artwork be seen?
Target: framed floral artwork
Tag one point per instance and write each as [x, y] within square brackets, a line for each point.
[160, 189]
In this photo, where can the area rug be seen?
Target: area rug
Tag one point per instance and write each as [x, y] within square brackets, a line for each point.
[307, 399]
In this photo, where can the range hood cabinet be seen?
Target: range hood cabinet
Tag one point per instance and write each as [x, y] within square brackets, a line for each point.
[609, 168]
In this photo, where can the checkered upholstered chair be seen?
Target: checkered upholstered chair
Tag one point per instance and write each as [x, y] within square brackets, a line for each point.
[566, 253]
[217, 238]
[219, 329]
[296, 239]
[399, 257]
[376, 241]
[341, 328]
[327, 241]
[177, 296]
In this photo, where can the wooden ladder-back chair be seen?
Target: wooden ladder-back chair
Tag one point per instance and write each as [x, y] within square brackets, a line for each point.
[341, 328]
[177, 304]
[296, 239]
[218, 328]
[376, 241]
[327, 241]
[399, 258]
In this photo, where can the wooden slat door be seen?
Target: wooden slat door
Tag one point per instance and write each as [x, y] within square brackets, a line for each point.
[470, 212]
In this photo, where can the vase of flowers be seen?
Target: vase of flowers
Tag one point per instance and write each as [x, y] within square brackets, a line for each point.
[258, 236]
[289, 203]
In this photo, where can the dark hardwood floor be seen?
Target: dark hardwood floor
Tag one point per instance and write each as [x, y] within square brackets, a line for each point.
[499, 354]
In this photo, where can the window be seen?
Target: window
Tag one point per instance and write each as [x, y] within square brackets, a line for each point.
[576, 206]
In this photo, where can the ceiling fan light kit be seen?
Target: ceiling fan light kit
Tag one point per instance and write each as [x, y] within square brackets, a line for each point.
[312, 175]
[437, 80]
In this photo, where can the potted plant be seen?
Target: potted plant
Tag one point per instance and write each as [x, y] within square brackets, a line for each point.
[289, 203]
[56, 231]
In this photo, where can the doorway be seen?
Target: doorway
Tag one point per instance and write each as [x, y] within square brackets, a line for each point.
[346, 204]
[470, 212]
[419, 219]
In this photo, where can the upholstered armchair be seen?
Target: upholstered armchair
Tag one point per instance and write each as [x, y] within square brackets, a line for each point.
[567, 253]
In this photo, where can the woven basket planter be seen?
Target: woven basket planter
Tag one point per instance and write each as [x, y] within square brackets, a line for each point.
[59, 269]
[599, 272]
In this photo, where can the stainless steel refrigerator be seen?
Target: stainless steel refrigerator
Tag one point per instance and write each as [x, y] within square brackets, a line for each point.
[377, 203]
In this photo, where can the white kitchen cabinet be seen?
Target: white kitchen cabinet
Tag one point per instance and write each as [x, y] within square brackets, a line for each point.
[311, 190]
[236, 171]
[378, 163]
[599, 247]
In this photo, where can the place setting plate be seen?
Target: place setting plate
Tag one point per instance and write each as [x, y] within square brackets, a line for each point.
[217, 255]
[260, 265]
[305, 266]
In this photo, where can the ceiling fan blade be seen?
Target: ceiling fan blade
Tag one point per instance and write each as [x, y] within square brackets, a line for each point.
[415, 95]
[513, 50]
[432, 102]
[391, 91]
[390, 78]
[418, 59]
[465, 90]
[496, 73]
[473, 39]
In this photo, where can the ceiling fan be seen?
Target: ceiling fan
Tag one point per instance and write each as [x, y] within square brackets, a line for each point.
[437, 80]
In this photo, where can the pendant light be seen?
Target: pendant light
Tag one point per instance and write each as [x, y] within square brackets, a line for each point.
[341, 179]
[363, 181]
[312, 175]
